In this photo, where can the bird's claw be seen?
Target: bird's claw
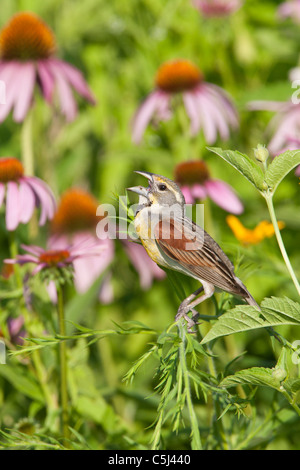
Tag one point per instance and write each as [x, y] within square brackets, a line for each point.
[191, 323]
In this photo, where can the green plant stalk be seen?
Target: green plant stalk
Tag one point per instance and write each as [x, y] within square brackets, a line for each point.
[39, 368]
[63, 366]
[269, 201]
[27, 145]
[196, 438]
[13, 250]
[218, 424]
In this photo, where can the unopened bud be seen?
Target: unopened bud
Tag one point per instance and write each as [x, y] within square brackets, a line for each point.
[279, 373]
[261, 153]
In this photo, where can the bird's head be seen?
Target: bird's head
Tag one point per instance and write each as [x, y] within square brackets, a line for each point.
[161, 191]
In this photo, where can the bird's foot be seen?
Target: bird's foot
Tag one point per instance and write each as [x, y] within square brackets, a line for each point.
[183, 313]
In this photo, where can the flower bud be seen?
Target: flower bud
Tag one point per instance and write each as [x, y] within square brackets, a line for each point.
[279, 374]
[261, 153]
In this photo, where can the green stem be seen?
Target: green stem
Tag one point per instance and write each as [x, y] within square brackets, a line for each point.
[13, 249]
[218, 423]
[196, 439]
[269, 201]
[39, 368]
[27, 145]
[63, 366]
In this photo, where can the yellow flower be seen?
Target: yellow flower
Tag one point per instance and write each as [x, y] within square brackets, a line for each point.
[251, 236]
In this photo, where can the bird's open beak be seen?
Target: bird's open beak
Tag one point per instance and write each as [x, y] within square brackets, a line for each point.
[139, 190]
[147, 175]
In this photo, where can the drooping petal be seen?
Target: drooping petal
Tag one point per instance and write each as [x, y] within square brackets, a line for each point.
[223, 195]
[207, 116]
[44, 196]
[186, 191]
[192, 111]
[144, 265]
[12, 206]
[297, 172]
[27, 76]
[67, 100]
[76, 79]
[198, 191]
[27, 202]
[144, 115]
[2, 193]
[33, 249]
[52, 291]
[9, 74]
[287, 126]
[46, 80]
[261, 105]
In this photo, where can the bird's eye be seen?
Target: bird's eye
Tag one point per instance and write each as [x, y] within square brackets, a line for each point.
[162, 187]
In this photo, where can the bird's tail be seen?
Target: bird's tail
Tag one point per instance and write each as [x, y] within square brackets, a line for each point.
[246, 294]
[251, 301]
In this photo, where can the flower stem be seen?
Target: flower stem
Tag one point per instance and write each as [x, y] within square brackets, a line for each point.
[27, 145]
[63, 366]
[196, 439]
[13, 249]
[269, 201]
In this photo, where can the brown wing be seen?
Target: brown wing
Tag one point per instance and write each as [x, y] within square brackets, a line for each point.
[198, 253]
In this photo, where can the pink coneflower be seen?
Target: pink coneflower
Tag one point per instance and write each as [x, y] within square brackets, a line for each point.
[216, 8]
[76, 220]
[208, 106]
[27, 48]
[22, 194]
[290, 9]
[196, 183]
[52, 258]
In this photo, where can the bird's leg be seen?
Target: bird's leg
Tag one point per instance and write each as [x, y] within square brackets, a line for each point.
[188, 306]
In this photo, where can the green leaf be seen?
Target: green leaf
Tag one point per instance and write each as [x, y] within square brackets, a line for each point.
[242, 163]
[280, 167]
[252, 376]
[281, 310]
[22, 381]
[275, 311]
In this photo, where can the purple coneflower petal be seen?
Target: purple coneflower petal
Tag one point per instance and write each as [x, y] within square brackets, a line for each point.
[23, 100]
[192, 111]
[288, 126]
[261, 105]
[38, 268]
[10, 76]
[2, 193]
[52, 291]
[198, 191]
[206, 110]
[297, 172]
[75, 78]
[223, 195]
[187, 193]
[46, 80]
[67, 101]
[22, 259]
[12, 206]
[143, 264]
[106, 293]
[27, 201]
[144, 115]
[34, 249]
[45, 197]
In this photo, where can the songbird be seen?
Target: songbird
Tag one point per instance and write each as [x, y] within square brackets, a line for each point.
[175, 242]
